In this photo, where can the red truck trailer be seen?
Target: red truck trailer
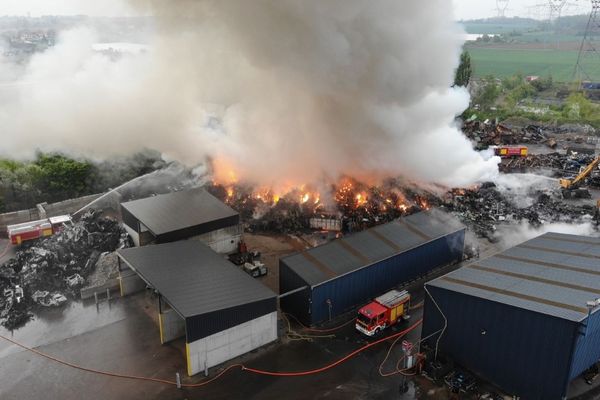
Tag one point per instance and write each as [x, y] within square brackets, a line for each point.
[36, 229]
[511, 151]
[384, 311]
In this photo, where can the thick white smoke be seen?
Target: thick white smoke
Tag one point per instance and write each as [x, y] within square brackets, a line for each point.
[281, 92]
[512, 235]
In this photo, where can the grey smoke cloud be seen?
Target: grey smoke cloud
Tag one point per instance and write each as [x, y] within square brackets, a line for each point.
[283, 92]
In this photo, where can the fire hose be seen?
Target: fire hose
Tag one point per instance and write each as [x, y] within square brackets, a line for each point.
[241, 366]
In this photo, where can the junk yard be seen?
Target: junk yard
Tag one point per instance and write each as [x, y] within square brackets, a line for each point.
[271, 200]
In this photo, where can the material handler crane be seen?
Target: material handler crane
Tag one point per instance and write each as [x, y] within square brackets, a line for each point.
[571, 188]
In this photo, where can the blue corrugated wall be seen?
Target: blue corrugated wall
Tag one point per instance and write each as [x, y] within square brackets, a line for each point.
[525, 353]
[586, 351]
[355, 288]
[297, 304]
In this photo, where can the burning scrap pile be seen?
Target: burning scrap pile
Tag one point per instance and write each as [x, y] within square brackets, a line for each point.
[484, 208]
[356, 204]
[49, 271]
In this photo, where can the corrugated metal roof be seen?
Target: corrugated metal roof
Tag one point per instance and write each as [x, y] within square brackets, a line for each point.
[348, 254]
[178, 210]
[553, 274]
[192, 278]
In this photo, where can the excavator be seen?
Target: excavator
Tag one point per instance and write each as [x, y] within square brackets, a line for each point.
[571, 188]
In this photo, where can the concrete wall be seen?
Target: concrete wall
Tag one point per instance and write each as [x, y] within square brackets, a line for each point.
[223, 346]
[64, 207]
[130, 282]
[139, 239]
[172, 326]
[223, 240]
[134, 235]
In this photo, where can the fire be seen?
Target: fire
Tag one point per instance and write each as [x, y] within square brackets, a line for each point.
[360, 201]
[423, 203]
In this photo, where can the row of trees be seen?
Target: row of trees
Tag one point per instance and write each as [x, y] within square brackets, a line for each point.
[504, 95]
[52, 177]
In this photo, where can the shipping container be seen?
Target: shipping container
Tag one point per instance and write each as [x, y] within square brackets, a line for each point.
[519, 319]
[348, 272]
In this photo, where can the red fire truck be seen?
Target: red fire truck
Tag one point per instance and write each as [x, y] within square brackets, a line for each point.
[36, 229]
[510, 151]
[384, 311]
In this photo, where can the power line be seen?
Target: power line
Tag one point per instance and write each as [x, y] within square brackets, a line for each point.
[501, 7]
[588, 59]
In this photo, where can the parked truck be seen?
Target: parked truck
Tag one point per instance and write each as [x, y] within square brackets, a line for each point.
[20, 233]
[511, 151]
[386, 310]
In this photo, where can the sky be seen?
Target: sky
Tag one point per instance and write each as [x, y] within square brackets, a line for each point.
[464, 9]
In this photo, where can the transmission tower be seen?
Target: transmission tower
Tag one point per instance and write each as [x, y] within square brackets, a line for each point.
[501, 7]
[555, 7]
[588, 59]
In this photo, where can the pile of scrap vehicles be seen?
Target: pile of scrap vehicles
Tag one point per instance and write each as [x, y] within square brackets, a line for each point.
[27, 232]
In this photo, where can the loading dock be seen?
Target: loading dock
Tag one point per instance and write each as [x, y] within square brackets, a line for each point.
[221, 311]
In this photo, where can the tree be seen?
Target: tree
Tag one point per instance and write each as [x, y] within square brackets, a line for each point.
[61, 177]
[464, 70]
[578, 106]
[543, 83]
[488, 94]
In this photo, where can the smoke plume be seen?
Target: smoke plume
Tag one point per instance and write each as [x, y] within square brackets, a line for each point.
[274, 92]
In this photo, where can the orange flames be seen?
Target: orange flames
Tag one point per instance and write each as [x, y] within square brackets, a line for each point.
[347, 195]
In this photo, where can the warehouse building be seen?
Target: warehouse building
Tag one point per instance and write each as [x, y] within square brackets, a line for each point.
[520, 319]
[182, 215]
[221, 311]
[328, 280]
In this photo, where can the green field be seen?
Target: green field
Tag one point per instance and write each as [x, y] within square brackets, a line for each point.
[496, 28]
[502, 63]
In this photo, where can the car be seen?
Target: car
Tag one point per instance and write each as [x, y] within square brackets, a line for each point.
[255, 269]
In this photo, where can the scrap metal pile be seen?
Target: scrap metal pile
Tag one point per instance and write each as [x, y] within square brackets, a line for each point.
[558, 162]
[360, 206]
[486, 134]
[48, 271]
[485, 208]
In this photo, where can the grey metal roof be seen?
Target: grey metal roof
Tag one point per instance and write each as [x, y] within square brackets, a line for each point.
[192, 278]
[554, 274]
[178, 210]
[348, 254]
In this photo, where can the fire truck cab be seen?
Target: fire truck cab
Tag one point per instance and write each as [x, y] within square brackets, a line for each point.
[36, 229]
[384, 311]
